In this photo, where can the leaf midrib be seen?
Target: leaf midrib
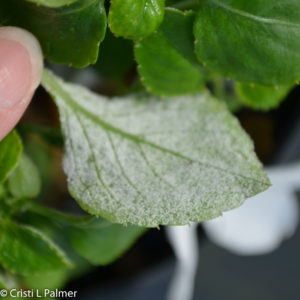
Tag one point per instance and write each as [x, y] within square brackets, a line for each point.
[67, 98]
[247, 15]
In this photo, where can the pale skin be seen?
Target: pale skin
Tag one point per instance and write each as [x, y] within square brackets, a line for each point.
[21, 66]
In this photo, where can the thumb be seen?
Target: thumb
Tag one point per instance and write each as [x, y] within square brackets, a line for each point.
[21, 65]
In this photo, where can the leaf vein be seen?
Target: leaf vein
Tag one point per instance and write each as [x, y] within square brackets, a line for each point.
[143, 154]
[98, 172]
[253, 17]
[121, 167]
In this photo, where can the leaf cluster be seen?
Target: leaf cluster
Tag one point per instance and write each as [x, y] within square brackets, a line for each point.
[39, 242]
[168, 152]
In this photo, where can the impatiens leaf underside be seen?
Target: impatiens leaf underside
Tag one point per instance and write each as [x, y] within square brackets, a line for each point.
[147, 161]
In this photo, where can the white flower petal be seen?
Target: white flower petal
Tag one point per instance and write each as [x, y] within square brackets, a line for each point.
[262, 222]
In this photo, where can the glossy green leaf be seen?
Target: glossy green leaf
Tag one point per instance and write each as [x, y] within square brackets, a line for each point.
[25, 250]
[147, 161]
[56, 231]
[69, 34]
[10, 151]
[97, 240]
[25, 181]
[255, 41]
[167, 63]
[135, 18]
[261, 97]
[53, 3]
[102, 242]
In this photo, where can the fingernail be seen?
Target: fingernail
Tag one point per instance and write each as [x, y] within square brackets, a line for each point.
[21, 66]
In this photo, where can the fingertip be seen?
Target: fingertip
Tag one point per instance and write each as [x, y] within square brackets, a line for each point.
[10, 117]
[21, 66]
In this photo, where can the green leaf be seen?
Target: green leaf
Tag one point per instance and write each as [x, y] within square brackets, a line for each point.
[54, 226]
[102, 242]
[250, 43]
[25, 181]
[53, 3]
[261, 97]
[134, 19]
[145, 161]
[69, 34]
[10, 151]
[167, 63]
[42, 156]
[25, 250]
[97, 240]
[48, 280]
[2, 192]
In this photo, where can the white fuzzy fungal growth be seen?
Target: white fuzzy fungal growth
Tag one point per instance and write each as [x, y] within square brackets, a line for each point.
[148, 162]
